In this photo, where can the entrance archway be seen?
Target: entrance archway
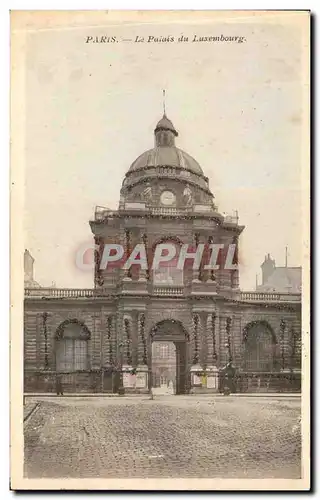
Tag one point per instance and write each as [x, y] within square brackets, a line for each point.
[165, 333]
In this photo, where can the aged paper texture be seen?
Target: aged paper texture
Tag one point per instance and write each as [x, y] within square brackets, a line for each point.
[160, 250]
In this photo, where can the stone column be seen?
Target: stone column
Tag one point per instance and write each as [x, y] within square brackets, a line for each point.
[195, 272]
[45, 317]
[128, 377]
[119, 336]
[127, 339]
[211, 339]
[201, 270]
[142, 354]
[110, 340]
[229, 339]
[103, 338]
[95, 341]
[144, 274]
[222, 341]
[98, 275]
[203, 344]
[135, 338]
[235, 274]
[127, 240]
[212, 370]
[142, 340]
[196, 368]
[212, 276]
[196, 339]
[39, 330]
[283, 363]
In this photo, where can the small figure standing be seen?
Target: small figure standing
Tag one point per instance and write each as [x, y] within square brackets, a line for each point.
[171, 387]
[229, 378]
[59, 387]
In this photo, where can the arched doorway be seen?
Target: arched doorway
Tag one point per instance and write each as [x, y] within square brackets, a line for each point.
[164, 367]
[259, 347]
[165, 334]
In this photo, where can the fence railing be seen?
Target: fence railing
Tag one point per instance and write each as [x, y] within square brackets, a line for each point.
[169, 210]
[231, 219]
[108, 380]
[101, 213]
[270, 297]
[60, 292]
[168, 291]
[263, 382]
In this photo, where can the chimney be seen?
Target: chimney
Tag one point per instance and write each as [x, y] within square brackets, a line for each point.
[28, 266]
[267, 268]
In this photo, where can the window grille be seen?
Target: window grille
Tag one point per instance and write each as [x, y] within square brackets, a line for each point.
[72, 348]
[259, 349]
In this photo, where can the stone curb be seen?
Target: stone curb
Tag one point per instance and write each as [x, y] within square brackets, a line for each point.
[33, 409]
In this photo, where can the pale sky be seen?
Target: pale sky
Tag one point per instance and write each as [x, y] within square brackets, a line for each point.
[92, 109]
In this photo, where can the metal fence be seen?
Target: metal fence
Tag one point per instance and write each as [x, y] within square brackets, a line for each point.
[264, 382]
[110, 381]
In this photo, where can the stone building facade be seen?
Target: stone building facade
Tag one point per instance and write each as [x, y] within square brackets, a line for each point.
[100, 339]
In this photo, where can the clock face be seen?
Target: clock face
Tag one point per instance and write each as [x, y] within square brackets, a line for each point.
[167, 198]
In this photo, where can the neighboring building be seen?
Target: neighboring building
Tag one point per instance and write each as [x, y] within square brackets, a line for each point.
[29, 281]
[279, 279]
[98, 338]
[163, 363]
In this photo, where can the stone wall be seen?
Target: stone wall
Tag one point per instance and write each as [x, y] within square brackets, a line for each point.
[120, 331]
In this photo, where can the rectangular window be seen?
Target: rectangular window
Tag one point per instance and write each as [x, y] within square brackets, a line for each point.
[168, 276]
[80, 354]
[164, 351]
[71, 355]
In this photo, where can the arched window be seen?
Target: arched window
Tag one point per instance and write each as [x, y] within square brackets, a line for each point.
[72, 346]
[259, 347]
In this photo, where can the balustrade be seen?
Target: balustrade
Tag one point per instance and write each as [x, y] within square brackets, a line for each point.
[156, 290]
[270, 297]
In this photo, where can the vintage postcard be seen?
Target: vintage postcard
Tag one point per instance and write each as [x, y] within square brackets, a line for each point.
[160, 250]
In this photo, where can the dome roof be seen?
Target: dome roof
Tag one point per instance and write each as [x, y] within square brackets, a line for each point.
[166, 124]
[166, 156]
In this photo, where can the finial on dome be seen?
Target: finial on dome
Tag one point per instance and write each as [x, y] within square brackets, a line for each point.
[164, 102]
[165, 131]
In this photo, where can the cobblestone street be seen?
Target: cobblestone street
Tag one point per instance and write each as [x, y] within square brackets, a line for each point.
[170, 436]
